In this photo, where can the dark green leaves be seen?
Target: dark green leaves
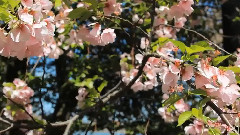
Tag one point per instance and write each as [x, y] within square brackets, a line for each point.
[93, 3]
[80, 13]
[198, 92]
[171, 100]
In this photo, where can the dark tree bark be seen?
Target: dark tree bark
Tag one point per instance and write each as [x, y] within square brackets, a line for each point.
[231, 29]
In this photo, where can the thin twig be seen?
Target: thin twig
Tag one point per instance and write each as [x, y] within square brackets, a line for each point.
[42, 83]
[26, 69]
[89, 125]
[146, 127]
[8, 128]
[67, 130]
[131, 24]
[113, 89]
[118, 25]
[35, 65]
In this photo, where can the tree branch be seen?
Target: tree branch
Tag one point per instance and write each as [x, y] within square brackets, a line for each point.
[70, 122]
[221, 115]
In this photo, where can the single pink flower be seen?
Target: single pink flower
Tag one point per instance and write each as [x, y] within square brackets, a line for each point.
[108, 36]
[112, 7]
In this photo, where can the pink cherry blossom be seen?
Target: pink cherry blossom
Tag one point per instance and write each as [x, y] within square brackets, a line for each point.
[21, 33]
[111, 6]
[19, 113]
[196, 128]
[25, 16]
[27, 3]
[179, 23]
[167, 116]
[159, 21]
[96, 30]
[187, 73]
[181, 106]
[200, 81]
[162, 11]
[108, 36]
[46, 4]
[137, 86]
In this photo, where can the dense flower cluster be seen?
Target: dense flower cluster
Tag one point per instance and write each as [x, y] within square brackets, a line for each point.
[32, 35]
[18, 93]
[176, 12]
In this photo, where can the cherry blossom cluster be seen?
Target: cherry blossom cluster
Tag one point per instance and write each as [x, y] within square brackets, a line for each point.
[169, 72]
[32, 34]
[197, 128]
[217, 83]
[17, 93]
[170, 116]
[91, 34]
[176, 12]
[172, 72]
[95, 36]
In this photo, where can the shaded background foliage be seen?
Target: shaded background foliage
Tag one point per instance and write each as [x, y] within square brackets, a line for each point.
[91, 65]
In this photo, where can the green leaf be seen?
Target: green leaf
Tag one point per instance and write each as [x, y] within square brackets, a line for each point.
[171, 108]
[179, 44]
[184, 117]
[188, 57]
[8, 84]
[103, 84]
[67, 2]
[58, 3]
[219, 59]
[171, 100]
[5, 15]
[163, 41]
[233, 133]
[80, 13]
[93, 3]
[238, 79]
[233, 68]
[197, 113]
[197, 48]
[198, 92]
[204, 101]
[13, 4]
[203, 44]
[214, 131]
